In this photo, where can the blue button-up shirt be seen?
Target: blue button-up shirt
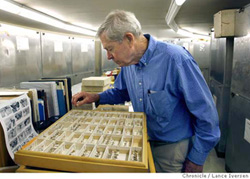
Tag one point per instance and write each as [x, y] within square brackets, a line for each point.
[168, 86]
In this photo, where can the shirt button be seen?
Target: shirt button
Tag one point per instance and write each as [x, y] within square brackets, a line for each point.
[139, 68]
[140, 99]
[140, 83]
[145, 63]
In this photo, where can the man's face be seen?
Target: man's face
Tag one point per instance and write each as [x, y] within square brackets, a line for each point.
[119, 52]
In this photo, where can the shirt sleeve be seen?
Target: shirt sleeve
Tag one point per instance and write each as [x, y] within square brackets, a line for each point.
[200, 103]
[118, 94]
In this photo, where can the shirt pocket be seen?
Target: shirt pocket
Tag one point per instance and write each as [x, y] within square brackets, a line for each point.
[159, 102]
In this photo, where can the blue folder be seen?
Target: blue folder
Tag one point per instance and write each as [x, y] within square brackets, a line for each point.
[41, 110]
[61, 102]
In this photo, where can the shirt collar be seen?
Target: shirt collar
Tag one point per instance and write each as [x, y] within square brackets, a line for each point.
[149, 52]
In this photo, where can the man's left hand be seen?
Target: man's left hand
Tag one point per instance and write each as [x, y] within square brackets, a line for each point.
[190, 167]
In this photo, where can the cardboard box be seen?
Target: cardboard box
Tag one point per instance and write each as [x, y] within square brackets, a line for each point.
[230, 23]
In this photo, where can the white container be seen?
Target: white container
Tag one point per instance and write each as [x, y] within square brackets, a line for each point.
[230, 23]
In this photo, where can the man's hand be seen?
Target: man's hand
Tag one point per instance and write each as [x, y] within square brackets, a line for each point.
[190, 167]
[84, 98]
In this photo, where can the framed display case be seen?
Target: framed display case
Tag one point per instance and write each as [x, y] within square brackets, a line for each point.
[91, 141]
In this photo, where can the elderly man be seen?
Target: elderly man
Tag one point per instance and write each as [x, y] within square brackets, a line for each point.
[163, 81]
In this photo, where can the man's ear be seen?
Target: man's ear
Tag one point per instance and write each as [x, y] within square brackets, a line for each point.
[130, 38]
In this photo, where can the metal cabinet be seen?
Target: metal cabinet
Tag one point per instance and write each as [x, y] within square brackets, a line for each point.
[20, 57]
[237, 151]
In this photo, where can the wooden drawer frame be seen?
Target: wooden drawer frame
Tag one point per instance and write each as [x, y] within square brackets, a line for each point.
[84, 164]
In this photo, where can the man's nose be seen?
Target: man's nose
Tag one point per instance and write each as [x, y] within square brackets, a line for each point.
[109, 55]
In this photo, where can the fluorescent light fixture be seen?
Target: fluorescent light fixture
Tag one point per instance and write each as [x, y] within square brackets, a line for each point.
[179, 2]
[89, 26]
[185, 33]
[23, 11]
[16, 30]
[173, 10]
[7, 6]
[192, 35]
[173, 26]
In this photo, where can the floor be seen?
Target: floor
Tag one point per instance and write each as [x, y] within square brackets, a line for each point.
[214, 164]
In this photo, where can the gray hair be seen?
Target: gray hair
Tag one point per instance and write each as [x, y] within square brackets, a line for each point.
[119, 22]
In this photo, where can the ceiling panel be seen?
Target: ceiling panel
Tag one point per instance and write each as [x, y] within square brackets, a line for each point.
[195, 15]
[198, 14]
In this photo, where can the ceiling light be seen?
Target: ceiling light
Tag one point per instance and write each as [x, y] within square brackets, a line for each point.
[185, 33]
[173, 26]
[88, 26]
[172, 11]
[15, 30]
[9, 7]
[179, 2]
[23, 11]
[192, 35]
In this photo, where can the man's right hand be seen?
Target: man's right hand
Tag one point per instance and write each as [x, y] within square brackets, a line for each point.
[84, 98]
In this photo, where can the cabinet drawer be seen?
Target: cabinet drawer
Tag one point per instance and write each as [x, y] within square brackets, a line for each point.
[79, 142]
